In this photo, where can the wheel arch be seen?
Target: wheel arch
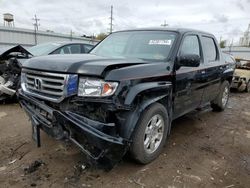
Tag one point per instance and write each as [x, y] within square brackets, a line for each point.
[228, 75]
[141, 99]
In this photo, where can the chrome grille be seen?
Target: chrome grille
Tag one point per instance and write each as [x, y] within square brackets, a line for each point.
[50, 86]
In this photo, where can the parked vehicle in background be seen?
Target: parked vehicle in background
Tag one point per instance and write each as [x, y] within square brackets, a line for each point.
[11, 60]
[51, 48]
[241, 78]
[124, 94]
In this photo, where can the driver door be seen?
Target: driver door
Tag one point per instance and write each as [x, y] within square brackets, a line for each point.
[188, 90]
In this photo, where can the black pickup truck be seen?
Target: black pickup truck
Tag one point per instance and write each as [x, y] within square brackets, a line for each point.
[124, 94]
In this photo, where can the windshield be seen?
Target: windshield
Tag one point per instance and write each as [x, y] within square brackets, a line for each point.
[148, 45]
[43, 49]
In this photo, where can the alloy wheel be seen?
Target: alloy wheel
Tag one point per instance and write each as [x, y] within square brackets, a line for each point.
[225, 96]
[153, 134]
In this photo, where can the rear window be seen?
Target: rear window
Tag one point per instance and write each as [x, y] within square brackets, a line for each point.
[209, 48]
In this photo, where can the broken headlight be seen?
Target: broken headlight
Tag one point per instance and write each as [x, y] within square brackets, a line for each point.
[90, 87]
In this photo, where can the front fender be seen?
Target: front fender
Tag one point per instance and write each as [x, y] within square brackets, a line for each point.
[227, 74]
[153, 87]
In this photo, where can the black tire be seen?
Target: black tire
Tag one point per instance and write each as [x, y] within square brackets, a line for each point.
[248, 87]
[217, 104]
[137, 149]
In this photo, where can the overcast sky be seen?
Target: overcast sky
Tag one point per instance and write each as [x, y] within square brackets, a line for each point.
[226, 18]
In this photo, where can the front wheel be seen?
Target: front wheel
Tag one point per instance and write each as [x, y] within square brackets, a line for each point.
[220, 103]
[150, 134]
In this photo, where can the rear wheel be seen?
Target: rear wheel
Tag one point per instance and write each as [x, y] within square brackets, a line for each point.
[220, 103]
[150, 134]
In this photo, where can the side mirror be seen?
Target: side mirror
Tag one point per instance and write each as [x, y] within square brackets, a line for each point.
[189, 60]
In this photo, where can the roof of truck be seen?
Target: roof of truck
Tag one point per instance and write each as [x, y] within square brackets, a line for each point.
[179, 30]
[69, 42]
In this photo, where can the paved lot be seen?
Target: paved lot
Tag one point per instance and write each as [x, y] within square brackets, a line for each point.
[205, 149]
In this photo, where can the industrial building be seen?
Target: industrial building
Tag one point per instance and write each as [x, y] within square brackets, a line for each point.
[10, 35]
[243, 50]
[245, 40]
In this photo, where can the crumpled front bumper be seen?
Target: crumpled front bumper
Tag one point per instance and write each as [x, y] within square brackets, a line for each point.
[97, 140]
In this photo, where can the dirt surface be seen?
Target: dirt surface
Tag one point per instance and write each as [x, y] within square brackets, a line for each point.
[205, 149]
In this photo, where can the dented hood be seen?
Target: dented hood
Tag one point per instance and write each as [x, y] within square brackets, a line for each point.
[87, 64]
[5, 52]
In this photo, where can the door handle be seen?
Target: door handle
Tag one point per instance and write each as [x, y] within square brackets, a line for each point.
[203, 72]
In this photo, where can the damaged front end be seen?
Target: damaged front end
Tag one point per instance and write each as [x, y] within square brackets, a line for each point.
[98, 140]
[10, 69]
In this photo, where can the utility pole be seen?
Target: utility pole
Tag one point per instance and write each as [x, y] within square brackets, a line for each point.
[164, 24]
[36, 24]
[111, 19]
[71, 35]
[93, 38]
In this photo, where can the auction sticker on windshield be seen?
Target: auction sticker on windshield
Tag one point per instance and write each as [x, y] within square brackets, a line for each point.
[160, 42]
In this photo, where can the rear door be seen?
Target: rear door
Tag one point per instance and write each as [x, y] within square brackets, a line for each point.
[188, 89]
[214, 66]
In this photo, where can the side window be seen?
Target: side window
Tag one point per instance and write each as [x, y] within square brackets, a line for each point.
[75, 48]
[190, 45]
[69, 49]
[209, 48]
[58, 51]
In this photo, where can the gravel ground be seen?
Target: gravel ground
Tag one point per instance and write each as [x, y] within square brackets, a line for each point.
[205, 149]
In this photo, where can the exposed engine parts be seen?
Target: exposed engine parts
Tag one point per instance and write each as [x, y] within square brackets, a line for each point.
[10, 78]
[10, 70]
